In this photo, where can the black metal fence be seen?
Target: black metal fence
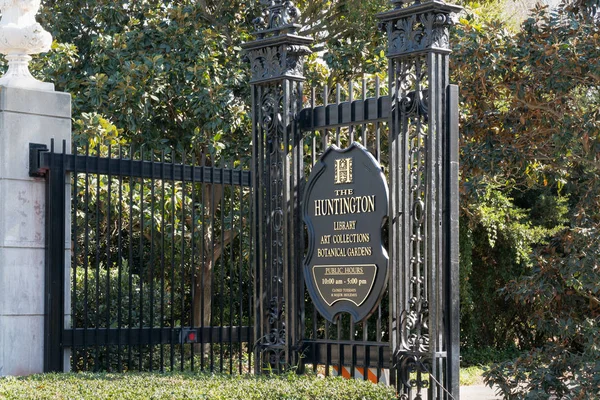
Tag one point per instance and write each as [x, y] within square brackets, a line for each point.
[185, 263]
[160, 261]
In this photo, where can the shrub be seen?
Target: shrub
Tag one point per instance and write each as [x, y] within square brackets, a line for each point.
[178, 386]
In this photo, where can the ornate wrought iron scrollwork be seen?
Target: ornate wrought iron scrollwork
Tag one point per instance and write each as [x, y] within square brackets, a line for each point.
[273, 347]
[412, 99]
[277, 333]
[277, 62]
[278, 15]
[273, 125]
[271, 105]
[413, 369]
[419, 32]
[277, 58]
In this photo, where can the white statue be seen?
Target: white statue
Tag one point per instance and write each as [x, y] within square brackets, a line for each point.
[20, 36]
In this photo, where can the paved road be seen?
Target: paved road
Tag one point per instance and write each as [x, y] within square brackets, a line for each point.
[478, 392]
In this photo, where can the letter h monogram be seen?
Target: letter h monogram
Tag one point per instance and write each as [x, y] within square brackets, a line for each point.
[343, 171]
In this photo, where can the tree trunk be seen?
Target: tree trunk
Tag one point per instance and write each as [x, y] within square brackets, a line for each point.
[210, 253]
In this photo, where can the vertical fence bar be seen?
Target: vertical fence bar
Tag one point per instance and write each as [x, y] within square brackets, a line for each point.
[130, 260]
[222, 266]
[55, 263]
[193, 268]
[313, 153]
[251, 259]
[162, 268]
[325, 131]
[377, 124]
[203, 260]
[212, 261]
[108, 259]
[151, 260]
[338, 99]
[240, 277]
[97, 237]
[328, 356]
[74, 240]
[452, 289]
[120, 264]
[231, 264]
[362, 111]
[86, 261]
[182, 262]
[350, 100]
[141, 268]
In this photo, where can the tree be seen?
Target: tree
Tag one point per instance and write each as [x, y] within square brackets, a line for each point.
[531, 136]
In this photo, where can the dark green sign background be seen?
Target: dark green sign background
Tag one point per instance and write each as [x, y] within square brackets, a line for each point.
[345, 207]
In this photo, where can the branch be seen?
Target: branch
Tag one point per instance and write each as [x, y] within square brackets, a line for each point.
[228, 237]
[539, 107]
[587, 295]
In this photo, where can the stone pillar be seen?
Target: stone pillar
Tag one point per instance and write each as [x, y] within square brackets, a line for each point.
[30, 112]
[26, 116]
[277, 61]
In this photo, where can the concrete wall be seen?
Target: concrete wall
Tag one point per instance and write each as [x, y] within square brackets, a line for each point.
[26, 116]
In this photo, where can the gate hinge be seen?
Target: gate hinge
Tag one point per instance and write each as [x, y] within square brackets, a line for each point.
[35, 160]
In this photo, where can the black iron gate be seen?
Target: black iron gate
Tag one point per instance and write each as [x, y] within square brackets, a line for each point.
[159, 273]
[176, 263]
[413, 132]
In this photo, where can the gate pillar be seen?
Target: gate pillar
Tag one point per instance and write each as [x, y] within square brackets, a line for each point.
[277, 60]
[32, 295]
[30, 290]
[424, 301]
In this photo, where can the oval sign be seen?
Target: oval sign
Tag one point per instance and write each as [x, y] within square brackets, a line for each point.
[344, 208]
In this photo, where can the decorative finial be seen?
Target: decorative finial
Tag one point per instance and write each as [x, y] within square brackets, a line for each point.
[279, 16]
[404, 3]
[20, 36]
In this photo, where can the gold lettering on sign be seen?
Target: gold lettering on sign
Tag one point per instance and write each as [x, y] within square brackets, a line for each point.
[343, 171]
[344, 270]
[344, 225]
[344, 192]
[363, 251]
[346, 205]
[352, 238]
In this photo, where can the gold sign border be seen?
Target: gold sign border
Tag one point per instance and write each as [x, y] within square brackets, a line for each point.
[345, 265]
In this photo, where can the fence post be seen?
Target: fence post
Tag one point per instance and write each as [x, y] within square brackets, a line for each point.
[423, 200]
[30, 112]
[277, 60]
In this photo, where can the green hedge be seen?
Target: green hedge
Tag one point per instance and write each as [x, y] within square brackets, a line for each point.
[188, 386]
